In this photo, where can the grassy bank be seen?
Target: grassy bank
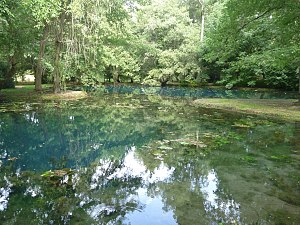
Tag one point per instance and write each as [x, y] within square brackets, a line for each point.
[28, 94]
[286, 109]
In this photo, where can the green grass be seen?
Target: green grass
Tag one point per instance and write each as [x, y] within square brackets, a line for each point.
[28, 94]
[21, 89]
[286, 109]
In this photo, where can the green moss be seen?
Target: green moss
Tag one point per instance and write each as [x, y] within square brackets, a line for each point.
[249, 159]
[280, 158]
[286, 109]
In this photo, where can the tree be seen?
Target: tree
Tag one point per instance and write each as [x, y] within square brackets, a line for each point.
[44, 13]
[58, 80]
[17, 39]
[89, 28]
[255, 43]
[166, 28]
[4, 12]
[77, 31]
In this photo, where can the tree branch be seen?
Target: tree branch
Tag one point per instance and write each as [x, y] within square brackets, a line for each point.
[256, 18]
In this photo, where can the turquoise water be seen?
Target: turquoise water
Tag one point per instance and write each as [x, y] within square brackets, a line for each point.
[195, 92]
[145, 159]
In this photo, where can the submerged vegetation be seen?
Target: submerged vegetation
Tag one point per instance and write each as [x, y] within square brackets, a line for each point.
[247, 102]
[116, 129]
[144, 156]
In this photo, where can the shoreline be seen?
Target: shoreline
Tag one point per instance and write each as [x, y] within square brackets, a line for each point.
[285, 109]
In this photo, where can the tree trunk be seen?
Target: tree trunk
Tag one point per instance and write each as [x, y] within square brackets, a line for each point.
[299, 88]
[202, 21]
[115, 73]
[298, 73]
[39, 66]
[9, 76]
[57, 76]
[298, 70]
[163, 83]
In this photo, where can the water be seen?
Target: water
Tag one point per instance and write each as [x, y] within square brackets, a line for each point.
[145, 159]
[191, 92]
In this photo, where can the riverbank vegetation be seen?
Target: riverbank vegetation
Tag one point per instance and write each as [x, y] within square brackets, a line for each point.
[27, 93]
[225, 42]
[285, 109]
[280, 109]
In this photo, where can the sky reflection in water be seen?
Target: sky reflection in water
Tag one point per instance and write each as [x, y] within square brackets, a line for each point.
[153, 210]
[186, 165]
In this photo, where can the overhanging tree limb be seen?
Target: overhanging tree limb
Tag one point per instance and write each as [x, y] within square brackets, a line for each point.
[256, 18]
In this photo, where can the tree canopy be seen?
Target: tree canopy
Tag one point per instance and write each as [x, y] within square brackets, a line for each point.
[226, 42]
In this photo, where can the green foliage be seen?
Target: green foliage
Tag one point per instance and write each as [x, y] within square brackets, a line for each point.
[43, 11]
[254, 45]
[3, 69]
[4, 12]
[120, 63]
[167, 28]
[247, 43]
[16, 39]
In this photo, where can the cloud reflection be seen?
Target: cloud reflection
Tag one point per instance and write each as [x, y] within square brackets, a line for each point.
[225, 210]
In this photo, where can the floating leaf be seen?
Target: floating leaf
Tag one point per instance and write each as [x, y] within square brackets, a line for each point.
[165, 147]
[156, 152]
[12, 159]
[57, 173]
[190, 142]
[239, 125]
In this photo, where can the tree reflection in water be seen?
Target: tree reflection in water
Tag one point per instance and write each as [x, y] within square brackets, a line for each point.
[186, 165]
[224, 210]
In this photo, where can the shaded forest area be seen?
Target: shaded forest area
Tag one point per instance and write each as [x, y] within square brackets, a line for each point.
[154, 42]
